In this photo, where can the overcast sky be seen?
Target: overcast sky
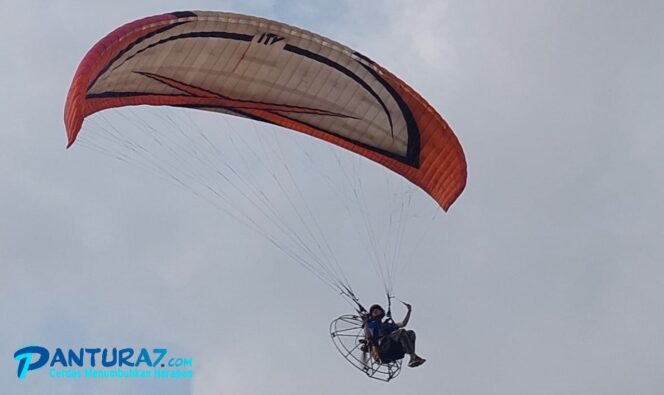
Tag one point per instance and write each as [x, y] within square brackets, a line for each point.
[545, 277]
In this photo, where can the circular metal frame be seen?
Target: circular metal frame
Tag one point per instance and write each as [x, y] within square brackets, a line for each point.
[347, 334]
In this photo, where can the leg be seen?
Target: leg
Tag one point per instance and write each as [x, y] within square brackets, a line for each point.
[407, 340]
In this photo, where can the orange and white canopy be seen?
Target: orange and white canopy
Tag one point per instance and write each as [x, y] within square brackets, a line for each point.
[276, 73]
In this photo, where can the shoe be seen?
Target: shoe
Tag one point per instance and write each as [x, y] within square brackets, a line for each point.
[415, 362]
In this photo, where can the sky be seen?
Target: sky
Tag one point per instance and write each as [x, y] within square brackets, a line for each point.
[544, 277]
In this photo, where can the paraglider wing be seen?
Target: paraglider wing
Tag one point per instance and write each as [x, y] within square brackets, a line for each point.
[271, 72]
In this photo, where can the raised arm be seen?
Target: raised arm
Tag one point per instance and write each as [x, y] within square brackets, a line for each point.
[407, 317]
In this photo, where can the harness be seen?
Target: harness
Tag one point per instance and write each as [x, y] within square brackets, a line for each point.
[381, 329]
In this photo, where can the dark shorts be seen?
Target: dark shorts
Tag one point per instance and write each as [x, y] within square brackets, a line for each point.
[390, 350]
